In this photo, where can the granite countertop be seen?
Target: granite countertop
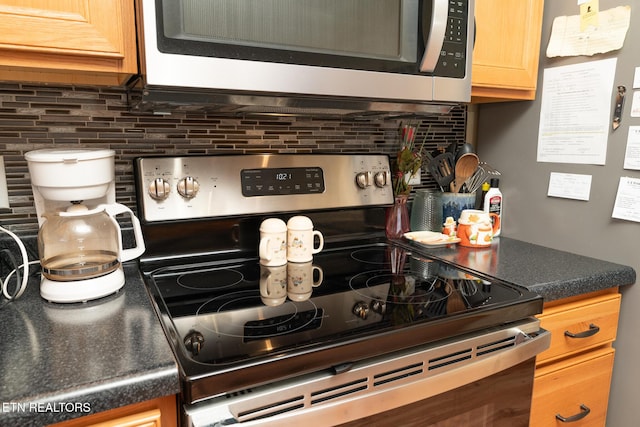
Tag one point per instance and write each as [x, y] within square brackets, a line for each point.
[113, 352]
[551, 273]
[93, 357]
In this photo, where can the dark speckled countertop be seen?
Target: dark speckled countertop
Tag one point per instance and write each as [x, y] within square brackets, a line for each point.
[94, 356]
[113, 352]
[551, 273]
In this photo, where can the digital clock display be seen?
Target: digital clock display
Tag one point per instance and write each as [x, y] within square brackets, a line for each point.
[282, 181]
[283, 176]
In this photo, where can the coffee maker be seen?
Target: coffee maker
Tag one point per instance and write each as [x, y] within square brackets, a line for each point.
[79, 239]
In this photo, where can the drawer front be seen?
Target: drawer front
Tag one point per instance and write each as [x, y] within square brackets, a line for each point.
[580, 325]
[579, 391]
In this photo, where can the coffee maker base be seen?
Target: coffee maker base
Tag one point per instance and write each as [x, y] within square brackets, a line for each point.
[82, 290]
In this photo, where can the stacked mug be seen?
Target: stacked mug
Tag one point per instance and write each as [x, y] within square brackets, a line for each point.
[286, 259]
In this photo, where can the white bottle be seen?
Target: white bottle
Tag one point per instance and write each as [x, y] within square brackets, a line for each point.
[493, 202]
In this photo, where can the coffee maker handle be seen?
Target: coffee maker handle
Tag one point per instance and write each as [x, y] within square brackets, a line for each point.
[114, 209]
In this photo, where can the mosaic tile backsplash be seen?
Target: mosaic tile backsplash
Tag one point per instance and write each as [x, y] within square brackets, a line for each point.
[34, 117]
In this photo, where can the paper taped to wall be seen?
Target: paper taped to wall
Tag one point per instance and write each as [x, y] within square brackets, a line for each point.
[567, 39]
[627, 204]
[569, 186]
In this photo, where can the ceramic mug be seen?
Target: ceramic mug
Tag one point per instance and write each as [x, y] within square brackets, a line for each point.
[273, 284]
[300, 280]
[475, 228]
[301, 239]
[273, 242]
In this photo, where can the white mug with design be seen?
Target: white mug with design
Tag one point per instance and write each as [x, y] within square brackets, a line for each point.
[301, 239]
[273, 242]
[300, 280]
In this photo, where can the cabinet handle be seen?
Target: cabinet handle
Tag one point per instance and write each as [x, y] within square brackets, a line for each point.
[593, 329]
[584, 411]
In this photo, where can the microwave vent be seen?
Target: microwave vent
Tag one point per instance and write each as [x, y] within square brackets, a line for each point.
[163, 101]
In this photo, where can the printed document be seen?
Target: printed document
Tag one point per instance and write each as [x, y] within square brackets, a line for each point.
[575, 112]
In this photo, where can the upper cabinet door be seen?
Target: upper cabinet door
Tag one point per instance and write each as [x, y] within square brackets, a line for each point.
[507, 49]
[68, 41]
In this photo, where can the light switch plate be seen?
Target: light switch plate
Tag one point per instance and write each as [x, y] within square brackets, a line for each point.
[413, 179]
[4, 193]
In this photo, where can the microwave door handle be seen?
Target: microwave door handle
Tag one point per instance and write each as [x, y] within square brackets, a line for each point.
[434, 27]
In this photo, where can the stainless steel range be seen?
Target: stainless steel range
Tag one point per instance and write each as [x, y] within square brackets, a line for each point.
[382, 329]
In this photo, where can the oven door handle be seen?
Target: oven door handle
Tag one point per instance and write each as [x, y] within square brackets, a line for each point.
[370, 402]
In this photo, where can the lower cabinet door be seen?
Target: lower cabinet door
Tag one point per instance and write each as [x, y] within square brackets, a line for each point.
[573, 392]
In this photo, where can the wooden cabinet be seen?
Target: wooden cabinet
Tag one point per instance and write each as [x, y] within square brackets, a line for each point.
[507, 50]
[573, 376]
[159, 412]
[72, 41]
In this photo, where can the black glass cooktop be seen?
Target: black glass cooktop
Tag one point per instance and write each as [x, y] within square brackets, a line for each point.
[237, 312]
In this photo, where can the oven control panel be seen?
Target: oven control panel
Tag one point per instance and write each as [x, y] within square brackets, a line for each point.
[191, 187]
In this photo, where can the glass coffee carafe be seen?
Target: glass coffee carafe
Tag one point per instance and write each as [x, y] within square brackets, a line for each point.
[82, 243]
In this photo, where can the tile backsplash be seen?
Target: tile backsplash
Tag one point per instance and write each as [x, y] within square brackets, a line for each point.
[34, 117]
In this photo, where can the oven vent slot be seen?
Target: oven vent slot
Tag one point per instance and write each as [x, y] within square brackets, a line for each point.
[397, 374]
[450, 359]
[338, 391]
[238, 393]
[496, 345]
[377, 376]
[272, 409]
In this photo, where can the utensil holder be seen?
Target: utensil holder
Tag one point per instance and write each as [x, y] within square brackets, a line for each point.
[454, 203]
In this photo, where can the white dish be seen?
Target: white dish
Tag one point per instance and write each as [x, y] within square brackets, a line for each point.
[431, 239]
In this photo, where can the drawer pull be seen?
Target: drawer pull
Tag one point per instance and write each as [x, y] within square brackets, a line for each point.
[593, 329]
[584, 411]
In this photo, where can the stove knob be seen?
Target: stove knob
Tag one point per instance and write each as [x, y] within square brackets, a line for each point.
[363, 179]
[194, 342]
[361, 309]
[381, 179]
[378, 306]
[159, 189]
[188, 187]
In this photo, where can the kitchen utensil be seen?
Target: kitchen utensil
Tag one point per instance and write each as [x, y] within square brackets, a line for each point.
[455, 302]
[452, 148]
[442, 169]
[300, 239]
[464, 149]
[476, 180]
[489, 170]
[465, 167]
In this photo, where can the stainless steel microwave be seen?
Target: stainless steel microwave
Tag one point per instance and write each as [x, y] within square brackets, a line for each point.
[257, 55]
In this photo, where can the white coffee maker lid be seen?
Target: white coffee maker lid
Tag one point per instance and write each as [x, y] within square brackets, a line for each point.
[67, 155]
[71, 174]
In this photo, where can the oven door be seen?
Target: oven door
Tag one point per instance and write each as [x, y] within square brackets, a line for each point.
[482, 379]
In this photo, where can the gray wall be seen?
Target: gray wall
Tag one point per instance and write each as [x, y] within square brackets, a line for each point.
[507, 139]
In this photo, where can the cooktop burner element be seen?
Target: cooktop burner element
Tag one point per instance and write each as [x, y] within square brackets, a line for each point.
[298, 316]
[371, 255]
[225, 278]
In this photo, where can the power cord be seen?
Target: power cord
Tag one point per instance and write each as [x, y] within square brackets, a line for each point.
[21, 278]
